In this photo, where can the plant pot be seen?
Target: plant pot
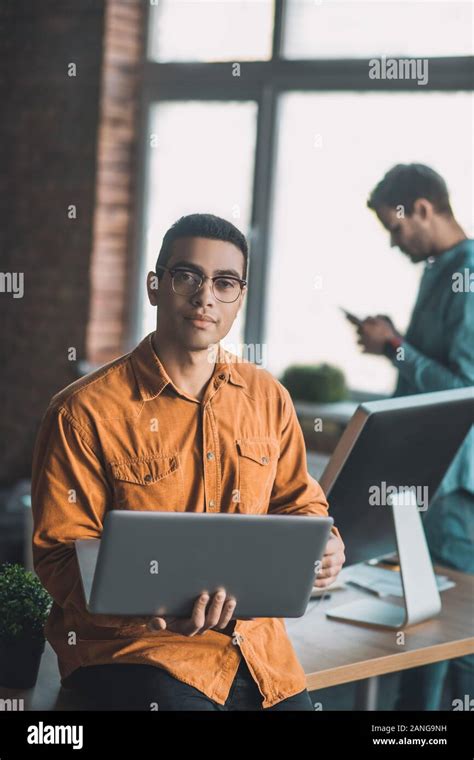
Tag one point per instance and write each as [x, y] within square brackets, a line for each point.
[19, 662]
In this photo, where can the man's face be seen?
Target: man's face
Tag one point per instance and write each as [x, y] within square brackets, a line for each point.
[411, 234]
[176, 312]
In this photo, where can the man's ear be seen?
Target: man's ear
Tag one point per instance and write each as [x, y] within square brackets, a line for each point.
[424, 208]
[152, 285]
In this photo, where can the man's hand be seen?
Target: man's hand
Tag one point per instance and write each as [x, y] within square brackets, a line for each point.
[374, 333]
[215, 615]
[332, 562]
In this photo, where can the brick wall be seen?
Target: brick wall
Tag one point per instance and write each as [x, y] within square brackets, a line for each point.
[112, 260]
[48, 153]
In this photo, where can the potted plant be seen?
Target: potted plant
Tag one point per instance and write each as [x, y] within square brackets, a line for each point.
[321, 383]
[24, 607]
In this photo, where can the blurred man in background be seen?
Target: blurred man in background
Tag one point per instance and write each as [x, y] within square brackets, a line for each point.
[436, 353]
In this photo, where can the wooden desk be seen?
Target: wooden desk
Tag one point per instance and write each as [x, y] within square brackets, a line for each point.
[330, 651]
[334, 652]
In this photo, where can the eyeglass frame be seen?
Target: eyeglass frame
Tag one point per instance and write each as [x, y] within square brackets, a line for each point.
[203, 278]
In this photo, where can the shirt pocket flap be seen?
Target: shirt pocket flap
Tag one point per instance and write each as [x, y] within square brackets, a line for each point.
[262, 452]
[145, 470]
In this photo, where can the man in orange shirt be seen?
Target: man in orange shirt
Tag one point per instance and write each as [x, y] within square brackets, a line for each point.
[176, 424]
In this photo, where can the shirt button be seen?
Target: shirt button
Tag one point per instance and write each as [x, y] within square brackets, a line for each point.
[264, 460]
[210, 455]
[147, 478]
[237, 638]
[212, 503]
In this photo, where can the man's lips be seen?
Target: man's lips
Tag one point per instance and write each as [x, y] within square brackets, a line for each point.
[201, 321]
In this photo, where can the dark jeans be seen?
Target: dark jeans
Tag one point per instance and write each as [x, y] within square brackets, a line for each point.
[148, 687]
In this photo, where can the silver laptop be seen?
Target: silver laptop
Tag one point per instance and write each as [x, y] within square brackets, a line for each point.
[158, 563]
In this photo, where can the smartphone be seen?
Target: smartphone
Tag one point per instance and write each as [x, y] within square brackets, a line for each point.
[351, 317]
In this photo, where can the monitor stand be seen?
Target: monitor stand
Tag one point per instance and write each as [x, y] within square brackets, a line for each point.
[421, 599]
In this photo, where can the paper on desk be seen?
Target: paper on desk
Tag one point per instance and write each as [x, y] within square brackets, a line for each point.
[385, 582]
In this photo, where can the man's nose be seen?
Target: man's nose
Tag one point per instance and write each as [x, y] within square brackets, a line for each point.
[204, 294]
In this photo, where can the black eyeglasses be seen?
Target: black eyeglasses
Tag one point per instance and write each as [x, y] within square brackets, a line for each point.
[186, 282]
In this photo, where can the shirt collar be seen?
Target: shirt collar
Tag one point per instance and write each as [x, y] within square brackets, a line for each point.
[152, 377]
[439, 262]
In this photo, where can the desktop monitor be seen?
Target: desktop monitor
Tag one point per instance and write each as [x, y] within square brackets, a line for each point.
[405, 442]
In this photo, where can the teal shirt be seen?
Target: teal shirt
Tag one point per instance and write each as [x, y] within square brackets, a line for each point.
[439, 346]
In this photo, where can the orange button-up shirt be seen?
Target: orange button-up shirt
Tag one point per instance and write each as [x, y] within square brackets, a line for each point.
[124, 437]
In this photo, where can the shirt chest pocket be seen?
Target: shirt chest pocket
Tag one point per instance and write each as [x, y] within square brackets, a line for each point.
[149, 483]
[257, 466]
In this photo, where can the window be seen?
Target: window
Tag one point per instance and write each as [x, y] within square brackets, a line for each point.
[328, 249]
[366, 28]
[201, 159]
[211, 30]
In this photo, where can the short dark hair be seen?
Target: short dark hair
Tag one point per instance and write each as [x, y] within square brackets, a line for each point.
[405, 183]
[205, 226]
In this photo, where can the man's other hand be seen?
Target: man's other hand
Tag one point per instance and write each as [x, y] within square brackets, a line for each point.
[332, 562]
[374, 332]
